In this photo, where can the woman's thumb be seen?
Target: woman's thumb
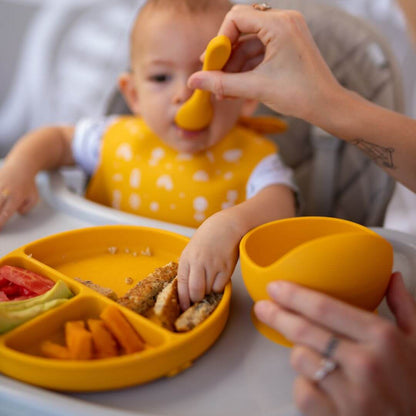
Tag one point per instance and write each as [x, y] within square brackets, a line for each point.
[222, 84]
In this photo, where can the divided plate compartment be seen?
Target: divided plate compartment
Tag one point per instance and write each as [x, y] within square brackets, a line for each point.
[106, 255]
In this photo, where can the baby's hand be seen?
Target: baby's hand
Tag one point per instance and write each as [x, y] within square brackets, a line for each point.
[208, 261]
[18, 192]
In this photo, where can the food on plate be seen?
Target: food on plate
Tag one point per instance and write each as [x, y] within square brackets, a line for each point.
[16, 312]
[53, 350]
[142, 296]
[122, 330]
[78, 340]
[146, 252]
[156, 297]
[198, 312]
[107, 292]
[110, 336]
[17, 283]
[112, 250]
[167, 309]
[128, 280]
[104, 343]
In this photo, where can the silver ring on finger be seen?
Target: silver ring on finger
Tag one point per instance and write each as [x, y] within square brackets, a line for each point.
[326, 367]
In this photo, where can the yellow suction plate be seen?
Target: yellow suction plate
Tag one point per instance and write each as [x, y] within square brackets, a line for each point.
[87, 254]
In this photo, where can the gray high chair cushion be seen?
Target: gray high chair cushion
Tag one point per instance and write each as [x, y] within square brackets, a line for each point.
[335, 178]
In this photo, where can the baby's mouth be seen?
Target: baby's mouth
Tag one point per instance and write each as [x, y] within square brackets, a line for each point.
[189, 134]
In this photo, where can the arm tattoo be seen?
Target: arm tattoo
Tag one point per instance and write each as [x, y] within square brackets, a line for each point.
[381, 155]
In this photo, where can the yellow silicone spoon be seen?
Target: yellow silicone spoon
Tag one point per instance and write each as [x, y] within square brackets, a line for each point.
[197, 112]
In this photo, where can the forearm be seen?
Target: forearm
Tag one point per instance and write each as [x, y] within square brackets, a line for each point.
[272, 203]
[388, 138]
[42, 149]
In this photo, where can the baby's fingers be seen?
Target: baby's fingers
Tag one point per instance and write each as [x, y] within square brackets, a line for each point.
[28, 203]
[221, 279]
[197, 283]
[7, 207]
[183, 289]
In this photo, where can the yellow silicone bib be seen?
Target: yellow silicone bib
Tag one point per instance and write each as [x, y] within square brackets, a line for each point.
[139, 174]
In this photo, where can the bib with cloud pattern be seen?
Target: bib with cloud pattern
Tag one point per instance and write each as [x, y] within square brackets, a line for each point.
[138, 173]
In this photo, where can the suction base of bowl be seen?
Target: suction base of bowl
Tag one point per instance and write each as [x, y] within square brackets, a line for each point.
[268, 332]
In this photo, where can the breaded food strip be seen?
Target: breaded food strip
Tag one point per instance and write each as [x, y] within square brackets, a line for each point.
[198, 312]
[107, 292]
[167, 308]
[143, 296]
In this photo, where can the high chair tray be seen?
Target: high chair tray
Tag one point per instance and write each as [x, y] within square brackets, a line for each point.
[116, 257]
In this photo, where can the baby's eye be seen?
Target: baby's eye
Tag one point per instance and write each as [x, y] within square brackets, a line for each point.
[160, 77]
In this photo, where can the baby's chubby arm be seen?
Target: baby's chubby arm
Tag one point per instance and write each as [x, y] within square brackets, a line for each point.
[41, 149]
[208, 261]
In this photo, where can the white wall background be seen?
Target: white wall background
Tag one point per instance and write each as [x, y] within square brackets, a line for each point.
[59, 60]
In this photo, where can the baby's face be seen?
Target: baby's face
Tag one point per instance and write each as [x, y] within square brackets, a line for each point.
[167, 48]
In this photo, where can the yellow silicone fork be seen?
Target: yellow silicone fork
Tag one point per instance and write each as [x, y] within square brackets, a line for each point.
[197, 112]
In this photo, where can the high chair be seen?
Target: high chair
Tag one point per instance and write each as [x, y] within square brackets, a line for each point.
[335, 178]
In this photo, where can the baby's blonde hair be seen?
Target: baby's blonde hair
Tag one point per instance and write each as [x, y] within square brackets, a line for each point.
[189, 7]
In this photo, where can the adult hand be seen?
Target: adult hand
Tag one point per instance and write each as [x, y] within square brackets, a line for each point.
[376, 365]
[275, 60]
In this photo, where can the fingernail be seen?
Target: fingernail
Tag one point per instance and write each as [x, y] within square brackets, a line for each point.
[397, 275]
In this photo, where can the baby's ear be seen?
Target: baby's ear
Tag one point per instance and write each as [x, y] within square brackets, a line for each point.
[249, 107]
[129, 91]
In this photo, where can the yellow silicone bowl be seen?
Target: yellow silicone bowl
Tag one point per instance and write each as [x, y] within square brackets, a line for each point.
[337, 257]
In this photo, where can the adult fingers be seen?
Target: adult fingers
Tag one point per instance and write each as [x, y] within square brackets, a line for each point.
[311, 400]
[241, 19]
[300, 330]
[245, 51]
[308, 363]
[324, 310]
[223, 84]
[401, 304]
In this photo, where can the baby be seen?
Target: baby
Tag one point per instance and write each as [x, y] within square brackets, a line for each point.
[224, 179]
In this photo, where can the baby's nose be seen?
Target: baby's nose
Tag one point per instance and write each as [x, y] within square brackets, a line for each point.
[182, 94]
